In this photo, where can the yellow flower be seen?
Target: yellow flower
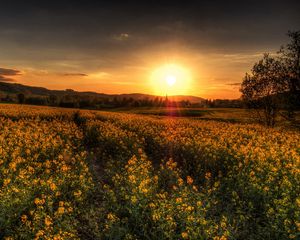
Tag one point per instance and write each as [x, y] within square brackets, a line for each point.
[60, 210]
[184, 235]
[77, 193]
[208, 175]
[223, 238]
[190, 208]
[155, 217]
[189, 180]
[38, 201]
[6, 182]
[39, 234]
[133, 199]
[151, 205]
[52, 186]
[111, 217]
[64, 168]
[48, 221]
[132, 178]
[180, 182]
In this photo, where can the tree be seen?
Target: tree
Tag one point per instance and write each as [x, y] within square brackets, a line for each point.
[21, 98]
[274, 83]
[260, 88]
[289, 55]
[53, 100]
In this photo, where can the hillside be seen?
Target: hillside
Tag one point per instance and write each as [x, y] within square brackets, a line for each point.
[15, 88]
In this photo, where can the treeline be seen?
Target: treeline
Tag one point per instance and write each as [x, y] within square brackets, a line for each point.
[94, 102]
[224, 103]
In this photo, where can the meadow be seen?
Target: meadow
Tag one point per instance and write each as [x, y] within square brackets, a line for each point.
[82, 174]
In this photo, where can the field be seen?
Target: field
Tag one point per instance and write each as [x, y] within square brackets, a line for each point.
[70, 174]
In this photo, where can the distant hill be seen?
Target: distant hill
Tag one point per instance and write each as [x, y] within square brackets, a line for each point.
[15, 88]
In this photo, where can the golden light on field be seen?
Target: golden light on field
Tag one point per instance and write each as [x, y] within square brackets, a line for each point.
[171, 79]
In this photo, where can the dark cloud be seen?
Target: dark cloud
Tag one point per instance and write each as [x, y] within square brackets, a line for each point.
[4, 72]
[92, 26]
[9, 72]
[234, 84]
[75, 74]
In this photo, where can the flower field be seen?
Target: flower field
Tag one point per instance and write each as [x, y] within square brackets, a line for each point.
[66, 174]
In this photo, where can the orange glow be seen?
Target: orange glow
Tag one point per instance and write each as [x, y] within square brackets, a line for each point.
[171, 79]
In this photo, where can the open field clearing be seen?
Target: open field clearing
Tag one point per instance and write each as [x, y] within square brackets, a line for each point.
[66, 174]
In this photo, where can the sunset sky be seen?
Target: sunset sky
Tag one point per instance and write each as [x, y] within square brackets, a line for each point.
[130, 47]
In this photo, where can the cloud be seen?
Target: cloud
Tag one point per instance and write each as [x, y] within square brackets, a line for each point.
[75, 74]
[9, 72]
[121, 37]
[234, 84]
[6, 79]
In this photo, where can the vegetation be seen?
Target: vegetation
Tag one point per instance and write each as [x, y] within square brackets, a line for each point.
[18, 93]
[274, 83]
[98, 175]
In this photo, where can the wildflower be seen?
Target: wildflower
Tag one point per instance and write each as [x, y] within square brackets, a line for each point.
[180, 182]
[6, 182]
[39, 234]
[190, 208]
[133, 199]
[52, 186]
[111, 217]
[77, 193]
[189, 180]
[38, 201]
[184, 235]
[64, 168]
[155, 217]
[60, 210]
[48, 221]
[151, 205]
[208, 175]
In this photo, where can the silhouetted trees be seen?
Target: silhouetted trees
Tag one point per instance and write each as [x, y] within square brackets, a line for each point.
[21, 98]
[35, 100]
[290, 56]
[274, 83]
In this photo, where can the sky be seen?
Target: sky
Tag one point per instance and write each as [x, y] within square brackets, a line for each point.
[136, 46]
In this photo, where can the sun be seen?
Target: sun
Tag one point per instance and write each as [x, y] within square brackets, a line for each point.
[171, 79]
